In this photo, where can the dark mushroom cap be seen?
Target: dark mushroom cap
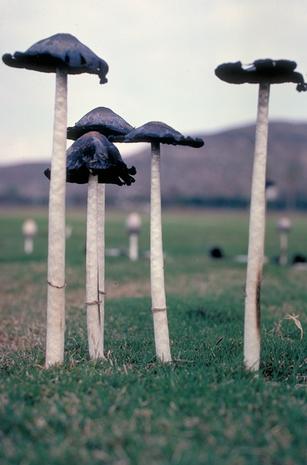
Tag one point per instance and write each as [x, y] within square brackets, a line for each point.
[92, 153]
[100, 119]
[270, 71]
[59, 51]
[155, 131]
[269, 183]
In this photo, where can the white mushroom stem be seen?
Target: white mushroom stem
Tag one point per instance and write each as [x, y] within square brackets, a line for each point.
[156, 262]
[28, 245]
[56, 237]
[92, 298]
[101, 256]
[283, 242]
[256, 236]
[133, 247]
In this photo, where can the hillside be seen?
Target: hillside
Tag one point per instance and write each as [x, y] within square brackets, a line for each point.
[219, 173]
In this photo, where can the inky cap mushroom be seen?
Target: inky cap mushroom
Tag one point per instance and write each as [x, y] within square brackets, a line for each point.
[155, 131]
[100, 119]
[93, 154]
[265, 70]
[59, 51]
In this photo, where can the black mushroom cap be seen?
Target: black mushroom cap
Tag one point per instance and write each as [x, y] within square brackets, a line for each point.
[155, 131]
[93, 154]
[62, 51]
[267, 70]
[269, 183]
[101, 119]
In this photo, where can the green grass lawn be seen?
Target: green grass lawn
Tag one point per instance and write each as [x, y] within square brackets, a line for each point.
[131, 410]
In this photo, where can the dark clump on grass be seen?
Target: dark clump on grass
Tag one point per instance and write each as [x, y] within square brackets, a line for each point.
[211, 315]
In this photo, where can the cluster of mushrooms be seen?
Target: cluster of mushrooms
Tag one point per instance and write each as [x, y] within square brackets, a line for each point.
[93, 159]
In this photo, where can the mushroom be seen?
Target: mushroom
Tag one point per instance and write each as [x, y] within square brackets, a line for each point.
[271, 191]
[158, 133]
[61, 54]
[133, 225]
[101, 119]
[262, 72]
[283, 228]
[29, 231]
[107, 122]
[94, 160]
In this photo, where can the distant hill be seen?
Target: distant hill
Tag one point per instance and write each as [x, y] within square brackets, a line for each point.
[217, 174]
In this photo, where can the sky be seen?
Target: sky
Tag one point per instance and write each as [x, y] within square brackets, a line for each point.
[161, 56]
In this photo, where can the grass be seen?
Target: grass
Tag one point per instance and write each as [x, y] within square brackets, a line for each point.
[130, 410]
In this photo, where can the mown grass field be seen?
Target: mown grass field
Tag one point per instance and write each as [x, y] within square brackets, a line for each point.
[130, 410]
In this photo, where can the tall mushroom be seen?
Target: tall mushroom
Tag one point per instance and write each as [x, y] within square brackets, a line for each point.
[61, 54]
[262, 72]
[106, 122]
[94, 160]
[157, 133]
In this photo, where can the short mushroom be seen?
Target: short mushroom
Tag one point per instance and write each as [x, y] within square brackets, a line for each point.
[94, 160]
[133, 226]
[29, 231]
[100, 119]
[61, 54]
[283, 227]
[158, 133]
[263, 72]
[271, 191]
[107, 122]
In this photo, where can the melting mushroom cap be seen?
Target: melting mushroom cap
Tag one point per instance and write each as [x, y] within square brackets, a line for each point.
[267, 70]
[62, 51]
[101, 119]
[155, 131]
[93, 154]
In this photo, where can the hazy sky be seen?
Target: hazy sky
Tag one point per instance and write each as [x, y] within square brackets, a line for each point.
[161, 54]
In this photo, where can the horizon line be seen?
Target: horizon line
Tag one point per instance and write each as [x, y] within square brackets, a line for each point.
[201, 133]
